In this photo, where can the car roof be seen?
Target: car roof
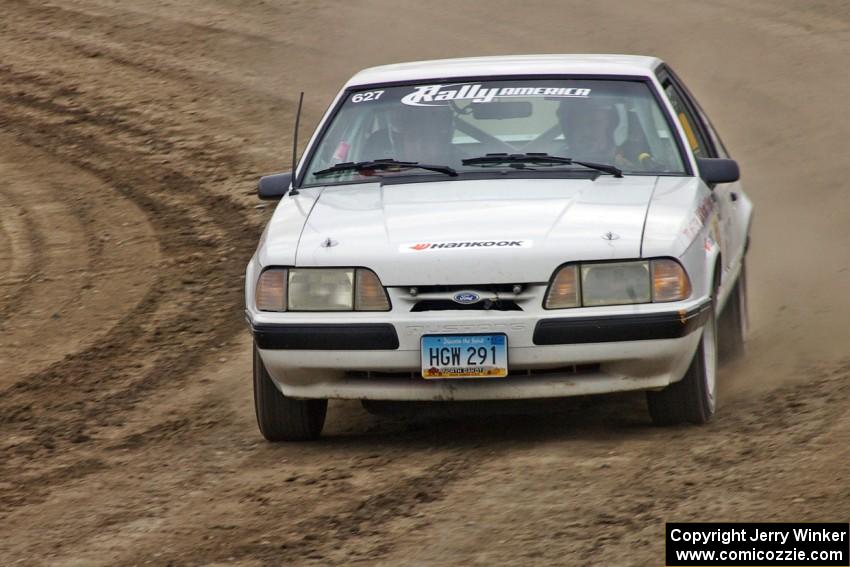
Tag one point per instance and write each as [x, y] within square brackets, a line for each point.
[576, 64]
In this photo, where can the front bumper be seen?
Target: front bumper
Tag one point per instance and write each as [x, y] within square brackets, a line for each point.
[327, 336]
[551, 353]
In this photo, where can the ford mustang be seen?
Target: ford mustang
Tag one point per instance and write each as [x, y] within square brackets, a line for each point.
[501, 228]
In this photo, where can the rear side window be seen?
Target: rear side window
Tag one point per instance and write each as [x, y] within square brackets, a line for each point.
[688, 120]
[719, 148]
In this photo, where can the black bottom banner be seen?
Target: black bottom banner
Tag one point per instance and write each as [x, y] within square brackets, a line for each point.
[757, 544]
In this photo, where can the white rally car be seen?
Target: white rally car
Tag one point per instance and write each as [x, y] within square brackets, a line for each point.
[501, 228]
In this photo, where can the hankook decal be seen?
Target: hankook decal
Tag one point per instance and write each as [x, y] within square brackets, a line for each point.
[461, 244]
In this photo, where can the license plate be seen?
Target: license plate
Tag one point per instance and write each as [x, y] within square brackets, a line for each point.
[464, 356]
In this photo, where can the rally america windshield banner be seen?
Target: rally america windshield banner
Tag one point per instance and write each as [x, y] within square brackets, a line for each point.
[480, 92]
[440, 95]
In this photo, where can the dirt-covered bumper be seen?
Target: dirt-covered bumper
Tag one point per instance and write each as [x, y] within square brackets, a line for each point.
[551, 353]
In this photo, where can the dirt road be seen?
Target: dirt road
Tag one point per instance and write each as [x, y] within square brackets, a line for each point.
[131, 136]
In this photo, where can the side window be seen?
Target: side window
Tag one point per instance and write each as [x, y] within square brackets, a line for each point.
[690, 122]
[718, 143]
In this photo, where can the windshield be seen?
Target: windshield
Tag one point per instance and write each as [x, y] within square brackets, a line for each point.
[615, 122]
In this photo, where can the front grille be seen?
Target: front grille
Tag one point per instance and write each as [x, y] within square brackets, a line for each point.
[495, 288]
[571, 369]
[449, 305]
[513, 373]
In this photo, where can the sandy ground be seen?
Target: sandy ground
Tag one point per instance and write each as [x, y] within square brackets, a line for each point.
[131, 136]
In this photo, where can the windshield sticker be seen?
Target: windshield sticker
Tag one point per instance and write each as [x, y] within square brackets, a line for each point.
[441, 95]
[420, 246]
[366, 97]
[341, 153]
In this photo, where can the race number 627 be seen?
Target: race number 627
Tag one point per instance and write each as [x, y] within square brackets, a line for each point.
[367, 96]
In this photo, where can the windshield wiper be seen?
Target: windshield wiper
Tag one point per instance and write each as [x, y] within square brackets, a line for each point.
[384, 164]
[540, 158]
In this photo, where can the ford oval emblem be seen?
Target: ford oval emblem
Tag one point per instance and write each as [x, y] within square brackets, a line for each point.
[466, 297]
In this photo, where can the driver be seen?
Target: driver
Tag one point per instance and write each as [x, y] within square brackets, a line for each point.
[416, 133]
[588, 126]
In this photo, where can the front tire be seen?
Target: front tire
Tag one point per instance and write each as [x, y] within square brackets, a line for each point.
[734, 321]
[281, 418]
[693, 398]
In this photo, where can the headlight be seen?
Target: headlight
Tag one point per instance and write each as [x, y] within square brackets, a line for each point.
[618, 283]
[320, 289]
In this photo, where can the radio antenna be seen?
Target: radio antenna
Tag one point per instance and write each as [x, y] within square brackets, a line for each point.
[294, 191]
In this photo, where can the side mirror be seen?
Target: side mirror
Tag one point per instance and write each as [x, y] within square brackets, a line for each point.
[274, 186]
[718, 170]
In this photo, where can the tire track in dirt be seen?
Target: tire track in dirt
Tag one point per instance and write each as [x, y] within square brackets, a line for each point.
[24, 255]
[159, 36]
[190, 69]
[76, 272]
[266, 521]
[318, 537]
[76, 124]
[97, 135]
[216, 452]
[184, 300]
[640, 478]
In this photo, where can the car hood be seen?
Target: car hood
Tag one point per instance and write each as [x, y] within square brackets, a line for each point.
[466, 232]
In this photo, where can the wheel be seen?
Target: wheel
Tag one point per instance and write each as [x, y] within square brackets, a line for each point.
[733, 323]
[691, 399]
[281, 418]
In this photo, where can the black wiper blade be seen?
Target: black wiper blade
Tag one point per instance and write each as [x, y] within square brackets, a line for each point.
[541, 158]
[387, 163]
